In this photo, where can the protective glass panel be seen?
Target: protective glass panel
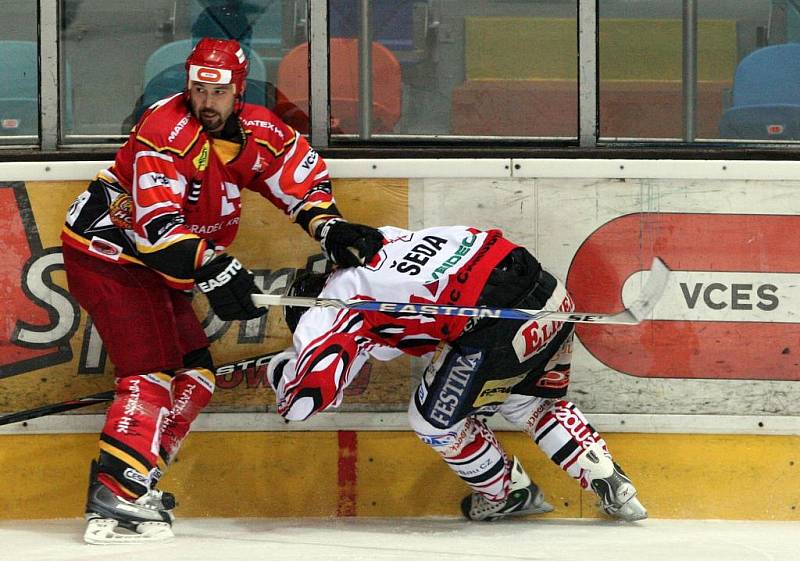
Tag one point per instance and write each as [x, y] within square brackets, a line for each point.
[440, 67]
[19, 86]
[115, 78]
[104, 46]
[645, 91]
[454, 68]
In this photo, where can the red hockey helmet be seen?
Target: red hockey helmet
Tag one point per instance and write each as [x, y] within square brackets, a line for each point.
[218, 61]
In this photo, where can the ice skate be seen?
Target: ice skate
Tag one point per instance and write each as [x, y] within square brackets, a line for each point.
[115, 520]
[617, 493]
[525, 498]
[160, 500]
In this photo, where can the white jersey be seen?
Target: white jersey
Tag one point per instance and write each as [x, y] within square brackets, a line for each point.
[445, 265]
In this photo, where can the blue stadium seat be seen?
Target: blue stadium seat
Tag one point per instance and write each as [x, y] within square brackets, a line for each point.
[167, 56]
[765, 101]
[19, 88]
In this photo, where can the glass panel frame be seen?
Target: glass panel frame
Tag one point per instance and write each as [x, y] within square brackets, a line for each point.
[63, 101]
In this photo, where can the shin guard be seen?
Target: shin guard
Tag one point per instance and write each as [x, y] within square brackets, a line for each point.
[562, 432]
[472, 452]
[192, 390]
[129, 443]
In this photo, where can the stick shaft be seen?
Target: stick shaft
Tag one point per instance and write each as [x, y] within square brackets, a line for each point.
[54, 408]
[623, 317]
[647, 300]
[102, 397]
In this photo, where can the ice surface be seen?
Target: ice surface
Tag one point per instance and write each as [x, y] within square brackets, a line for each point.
[371, 539]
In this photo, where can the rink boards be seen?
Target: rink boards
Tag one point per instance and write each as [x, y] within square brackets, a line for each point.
[702, 398]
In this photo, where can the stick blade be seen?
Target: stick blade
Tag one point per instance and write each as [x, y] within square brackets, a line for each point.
[652, 290]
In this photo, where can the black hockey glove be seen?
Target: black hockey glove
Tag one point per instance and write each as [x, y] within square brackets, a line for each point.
[228, 286]
[347, 244]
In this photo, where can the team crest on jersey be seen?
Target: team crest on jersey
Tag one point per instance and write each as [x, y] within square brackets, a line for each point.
[201, 160]
[119, 212]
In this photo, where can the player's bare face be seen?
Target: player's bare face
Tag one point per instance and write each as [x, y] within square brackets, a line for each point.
[212, 103]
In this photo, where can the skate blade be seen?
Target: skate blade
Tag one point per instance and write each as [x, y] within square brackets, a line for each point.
[106, 531]
[632, 511]
[537, 506]
[542, 508]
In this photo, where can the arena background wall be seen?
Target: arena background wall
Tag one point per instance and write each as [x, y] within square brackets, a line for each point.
[699, 403]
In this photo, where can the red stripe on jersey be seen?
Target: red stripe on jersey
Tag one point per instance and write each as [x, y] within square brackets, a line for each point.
[156, 195]
[154, 176]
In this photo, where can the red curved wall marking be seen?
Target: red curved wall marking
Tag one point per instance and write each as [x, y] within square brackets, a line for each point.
[15, 224]
[687, 242]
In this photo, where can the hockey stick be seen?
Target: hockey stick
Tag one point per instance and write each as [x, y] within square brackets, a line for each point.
[102, 397]
[644, 304]
[54, 408]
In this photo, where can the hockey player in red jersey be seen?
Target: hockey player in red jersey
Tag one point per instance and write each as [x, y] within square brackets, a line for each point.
[153, 226]
[519, 369]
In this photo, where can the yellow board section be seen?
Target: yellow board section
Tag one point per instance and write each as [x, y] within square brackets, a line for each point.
[301, 474]
[216, 474]
[401, 476]
[630, 49]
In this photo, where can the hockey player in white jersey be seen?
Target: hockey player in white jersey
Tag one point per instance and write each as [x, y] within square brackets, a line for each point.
[519, 369]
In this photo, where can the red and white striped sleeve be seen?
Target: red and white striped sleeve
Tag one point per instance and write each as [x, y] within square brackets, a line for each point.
[329, 353]
[297, 182]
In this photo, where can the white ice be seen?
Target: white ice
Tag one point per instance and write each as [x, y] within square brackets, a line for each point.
[440, 539]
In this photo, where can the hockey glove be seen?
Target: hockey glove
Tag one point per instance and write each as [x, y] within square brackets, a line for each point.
[347, 244]
[228, 286]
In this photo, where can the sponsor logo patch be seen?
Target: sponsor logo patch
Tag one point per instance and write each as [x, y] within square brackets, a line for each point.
[554, 379]
[105, 248]
[496, 391]
[457, 381]
[305, 168]
[176, 130]
[209, 75]
[201, 160]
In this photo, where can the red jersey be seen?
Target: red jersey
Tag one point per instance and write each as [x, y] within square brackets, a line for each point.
[446, 265]
[174, 190]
